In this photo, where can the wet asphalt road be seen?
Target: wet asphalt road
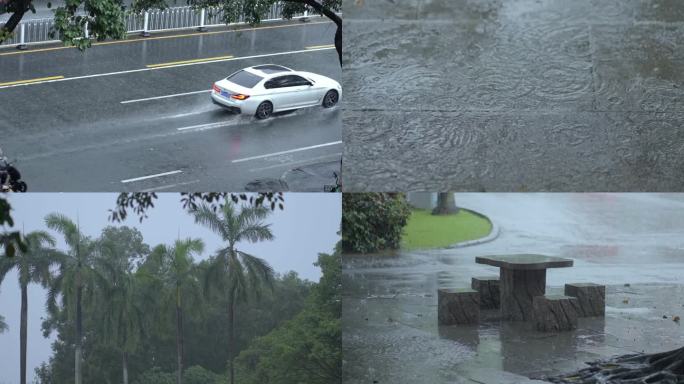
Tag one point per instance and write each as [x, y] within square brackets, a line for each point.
[514, 95]
[77, 135]
[390, 303]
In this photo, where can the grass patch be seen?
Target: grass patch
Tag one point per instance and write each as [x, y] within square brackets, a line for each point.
[424, 230]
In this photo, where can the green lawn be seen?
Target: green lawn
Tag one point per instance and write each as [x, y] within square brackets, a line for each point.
[424, 230]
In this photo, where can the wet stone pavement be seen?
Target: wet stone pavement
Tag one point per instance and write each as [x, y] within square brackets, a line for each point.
[514, 95]
[632, 243]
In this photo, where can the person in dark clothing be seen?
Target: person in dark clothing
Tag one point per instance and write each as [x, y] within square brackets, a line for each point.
[7, 171]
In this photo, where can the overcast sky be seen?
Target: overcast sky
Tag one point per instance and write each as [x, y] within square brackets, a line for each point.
[308, 225]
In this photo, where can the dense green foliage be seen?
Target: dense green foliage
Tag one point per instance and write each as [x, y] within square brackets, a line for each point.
[10, 241]
[130, 305]
[32, 266]
[198, 375]
[234, 274]
[205, 335]
[306, 349]
[193, 375]
[105, 18]
[372, 222]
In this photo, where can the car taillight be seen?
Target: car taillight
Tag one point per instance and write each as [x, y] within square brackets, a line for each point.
[240, 96]
[216, 88]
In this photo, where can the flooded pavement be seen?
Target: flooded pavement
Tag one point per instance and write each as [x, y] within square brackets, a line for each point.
[514, 95]
[632, 243]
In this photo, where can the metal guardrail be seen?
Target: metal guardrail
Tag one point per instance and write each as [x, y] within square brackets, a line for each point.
[36, 31]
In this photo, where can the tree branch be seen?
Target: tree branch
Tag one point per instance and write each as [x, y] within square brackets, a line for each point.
[11, 24]
[330, 14]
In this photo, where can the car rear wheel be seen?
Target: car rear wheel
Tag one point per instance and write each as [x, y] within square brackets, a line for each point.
[330, 99]
[264, 110]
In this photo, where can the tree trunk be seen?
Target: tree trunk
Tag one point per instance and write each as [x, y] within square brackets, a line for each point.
[79, 329]
[125, 367]
[179, 337]
[11, 24]
[231, 338]
[22, 332]
[446, 204]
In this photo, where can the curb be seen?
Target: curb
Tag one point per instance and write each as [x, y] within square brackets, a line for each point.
[493, 234]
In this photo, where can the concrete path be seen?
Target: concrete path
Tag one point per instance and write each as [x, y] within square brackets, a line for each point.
[390, 304]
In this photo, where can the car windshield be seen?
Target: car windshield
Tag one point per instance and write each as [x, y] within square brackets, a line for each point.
[245, 79]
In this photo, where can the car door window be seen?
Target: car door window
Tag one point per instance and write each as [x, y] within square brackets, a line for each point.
[286, 82]
[295, 80]
[276, 82]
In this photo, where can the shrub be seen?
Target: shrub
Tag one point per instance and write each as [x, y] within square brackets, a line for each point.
[199, 375]
[156, 376]
[373, 221]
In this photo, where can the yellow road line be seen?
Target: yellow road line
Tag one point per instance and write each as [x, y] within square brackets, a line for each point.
[171, 64]
[321, 46]
[31, 80]
[182, 35]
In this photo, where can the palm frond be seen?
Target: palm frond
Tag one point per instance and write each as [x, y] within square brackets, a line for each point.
[260, 272]
[215, 275]
[64, 225]
[6, 265]
[204, 215]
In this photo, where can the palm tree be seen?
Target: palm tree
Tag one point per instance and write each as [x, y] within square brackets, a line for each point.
[119, 308]
[75, 274]
[175, 269]
[238, 274]
[33, 266]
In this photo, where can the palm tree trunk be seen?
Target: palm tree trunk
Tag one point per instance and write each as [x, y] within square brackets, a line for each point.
[231, 337]
[79, 329]
[125, 367]
[179, 336]
[22, 332]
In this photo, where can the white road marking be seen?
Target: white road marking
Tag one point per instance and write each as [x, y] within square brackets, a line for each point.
[167, 67]
[164, 97]
[202, 127]
[151, 176]
[299, 163]
[288, 151]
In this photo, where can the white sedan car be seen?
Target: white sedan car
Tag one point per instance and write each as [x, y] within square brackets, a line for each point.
[264, 89]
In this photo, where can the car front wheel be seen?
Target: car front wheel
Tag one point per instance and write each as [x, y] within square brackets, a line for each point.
[264, 110]
[330, 99]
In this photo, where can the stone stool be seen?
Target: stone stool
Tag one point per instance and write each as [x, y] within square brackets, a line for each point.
[554, 313]
[488, 288]
[458, 306]
[591, 297]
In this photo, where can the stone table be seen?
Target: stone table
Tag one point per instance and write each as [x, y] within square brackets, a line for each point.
[522, 278]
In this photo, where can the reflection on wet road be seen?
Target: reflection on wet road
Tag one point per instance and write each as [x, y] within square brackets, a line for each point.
[630, 242]
[135, 114]
[514, 95]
